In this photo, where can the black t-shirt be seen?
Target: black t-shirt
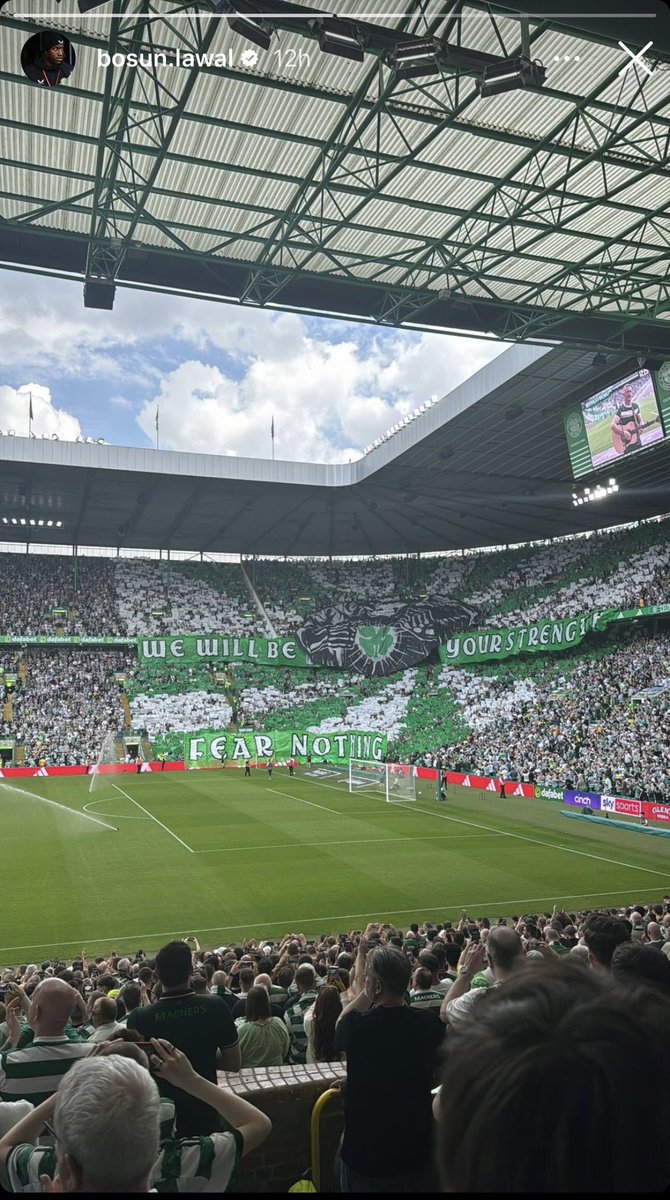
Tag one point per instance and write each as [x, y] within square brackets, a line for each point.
[391, 1060]
[199, 1026]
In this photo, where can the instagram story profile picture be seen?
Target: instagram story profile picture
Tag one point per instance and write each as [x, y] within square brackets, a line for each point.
[47, 58]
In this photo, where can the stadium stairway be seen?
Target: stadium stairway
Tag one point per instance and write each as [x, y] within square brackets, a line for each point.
[146, 749]
[125, 705]
[272, 632]
[8, 710]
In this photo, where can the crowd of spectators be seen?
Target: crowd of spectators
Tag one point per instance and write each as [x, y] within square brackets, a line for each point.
[502, 719]
[109, 1064]
[162, 598]
[622, 568]
[66, 704]
[578, 727]
[148, 597]
[32, 586]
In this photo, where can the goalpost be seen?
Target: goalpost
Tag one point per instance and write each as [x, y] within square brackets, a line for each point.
[395, 780]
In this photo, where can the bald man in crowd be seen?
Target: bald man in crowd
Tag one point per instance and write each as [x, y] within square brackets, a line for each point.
[504, 950]
[35, 1072]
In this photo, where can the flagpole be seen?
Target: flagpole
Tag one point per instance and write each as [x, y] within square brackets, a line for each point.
[30, 415]
[272, 437]
[157, 431]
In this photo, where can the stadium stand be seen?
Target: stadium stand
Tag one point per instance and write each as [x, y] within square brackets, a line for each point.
[480, 717]
[155, 598]
[67, 704]
[573, 722]
[529, 956]
[33, 586]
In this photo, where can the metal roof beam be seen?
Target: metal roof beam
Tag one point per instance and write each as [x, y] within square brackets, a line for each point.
[120, 180]
[547, 145]
[345, 189]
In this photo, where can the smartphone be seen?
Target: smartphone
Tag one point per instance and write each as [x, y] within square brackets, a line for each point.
[148, 1050]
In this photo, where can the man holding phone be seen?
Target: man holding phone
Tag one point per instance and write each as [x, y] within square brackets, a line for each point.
[200, 1025]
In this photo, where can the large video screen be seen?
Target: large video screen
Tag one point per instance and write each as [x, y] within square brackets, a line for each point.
[622, 419]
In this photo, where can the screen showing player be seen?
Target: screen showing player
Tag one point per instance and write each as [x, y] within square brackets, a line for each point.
[622, 418]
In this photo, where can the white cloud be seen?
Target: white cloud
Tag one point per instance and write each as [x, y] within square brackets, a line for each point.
[328, 398]
[47, 419]
[221, 372]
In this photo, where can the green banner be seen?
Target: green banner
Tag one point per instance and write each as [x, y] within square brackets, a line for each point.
[209, 748]
[192, 648]
[484, 645]
[549, 793]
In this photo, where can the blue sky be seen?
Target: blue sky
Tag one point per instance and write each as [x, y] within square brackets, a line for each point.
[218, 372]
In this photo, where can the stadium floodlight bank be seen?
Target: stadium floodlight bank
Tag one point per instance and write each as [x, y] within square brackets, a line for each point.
[395, 780]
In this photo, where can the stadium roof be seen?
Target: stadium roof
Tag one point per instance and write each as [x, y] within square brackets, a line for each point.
[316, 183]
[486, 465]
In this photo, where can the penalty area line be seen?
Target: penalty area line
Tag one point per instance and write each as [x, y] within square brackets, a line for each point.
[424, 837]
[153, 818]
[299, 800]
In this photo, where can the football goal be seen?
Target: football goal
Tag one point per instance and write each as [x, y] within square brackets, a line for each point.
[395, 780]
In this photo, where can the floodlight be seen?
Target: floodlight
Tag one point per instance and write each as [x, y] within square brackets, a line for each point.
[411, 60]
[244, 19]
[340, 38]
[611, 482]
[510, 75]
[99, 293]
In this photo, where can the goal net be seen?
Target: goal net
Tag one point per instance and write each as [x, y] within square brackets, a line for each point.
[395, 780]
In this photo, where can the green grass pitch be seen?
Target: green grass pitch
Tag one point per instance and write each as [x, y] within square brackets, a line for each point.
[227, 858]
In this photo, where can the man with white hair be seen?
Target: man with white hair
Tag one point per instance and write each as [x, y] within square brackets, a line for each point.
[106, 1122]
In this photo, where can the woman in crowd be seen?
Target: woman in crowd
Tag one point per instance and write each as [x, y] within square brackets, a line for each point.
[320, 1021]
[264, 1039]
